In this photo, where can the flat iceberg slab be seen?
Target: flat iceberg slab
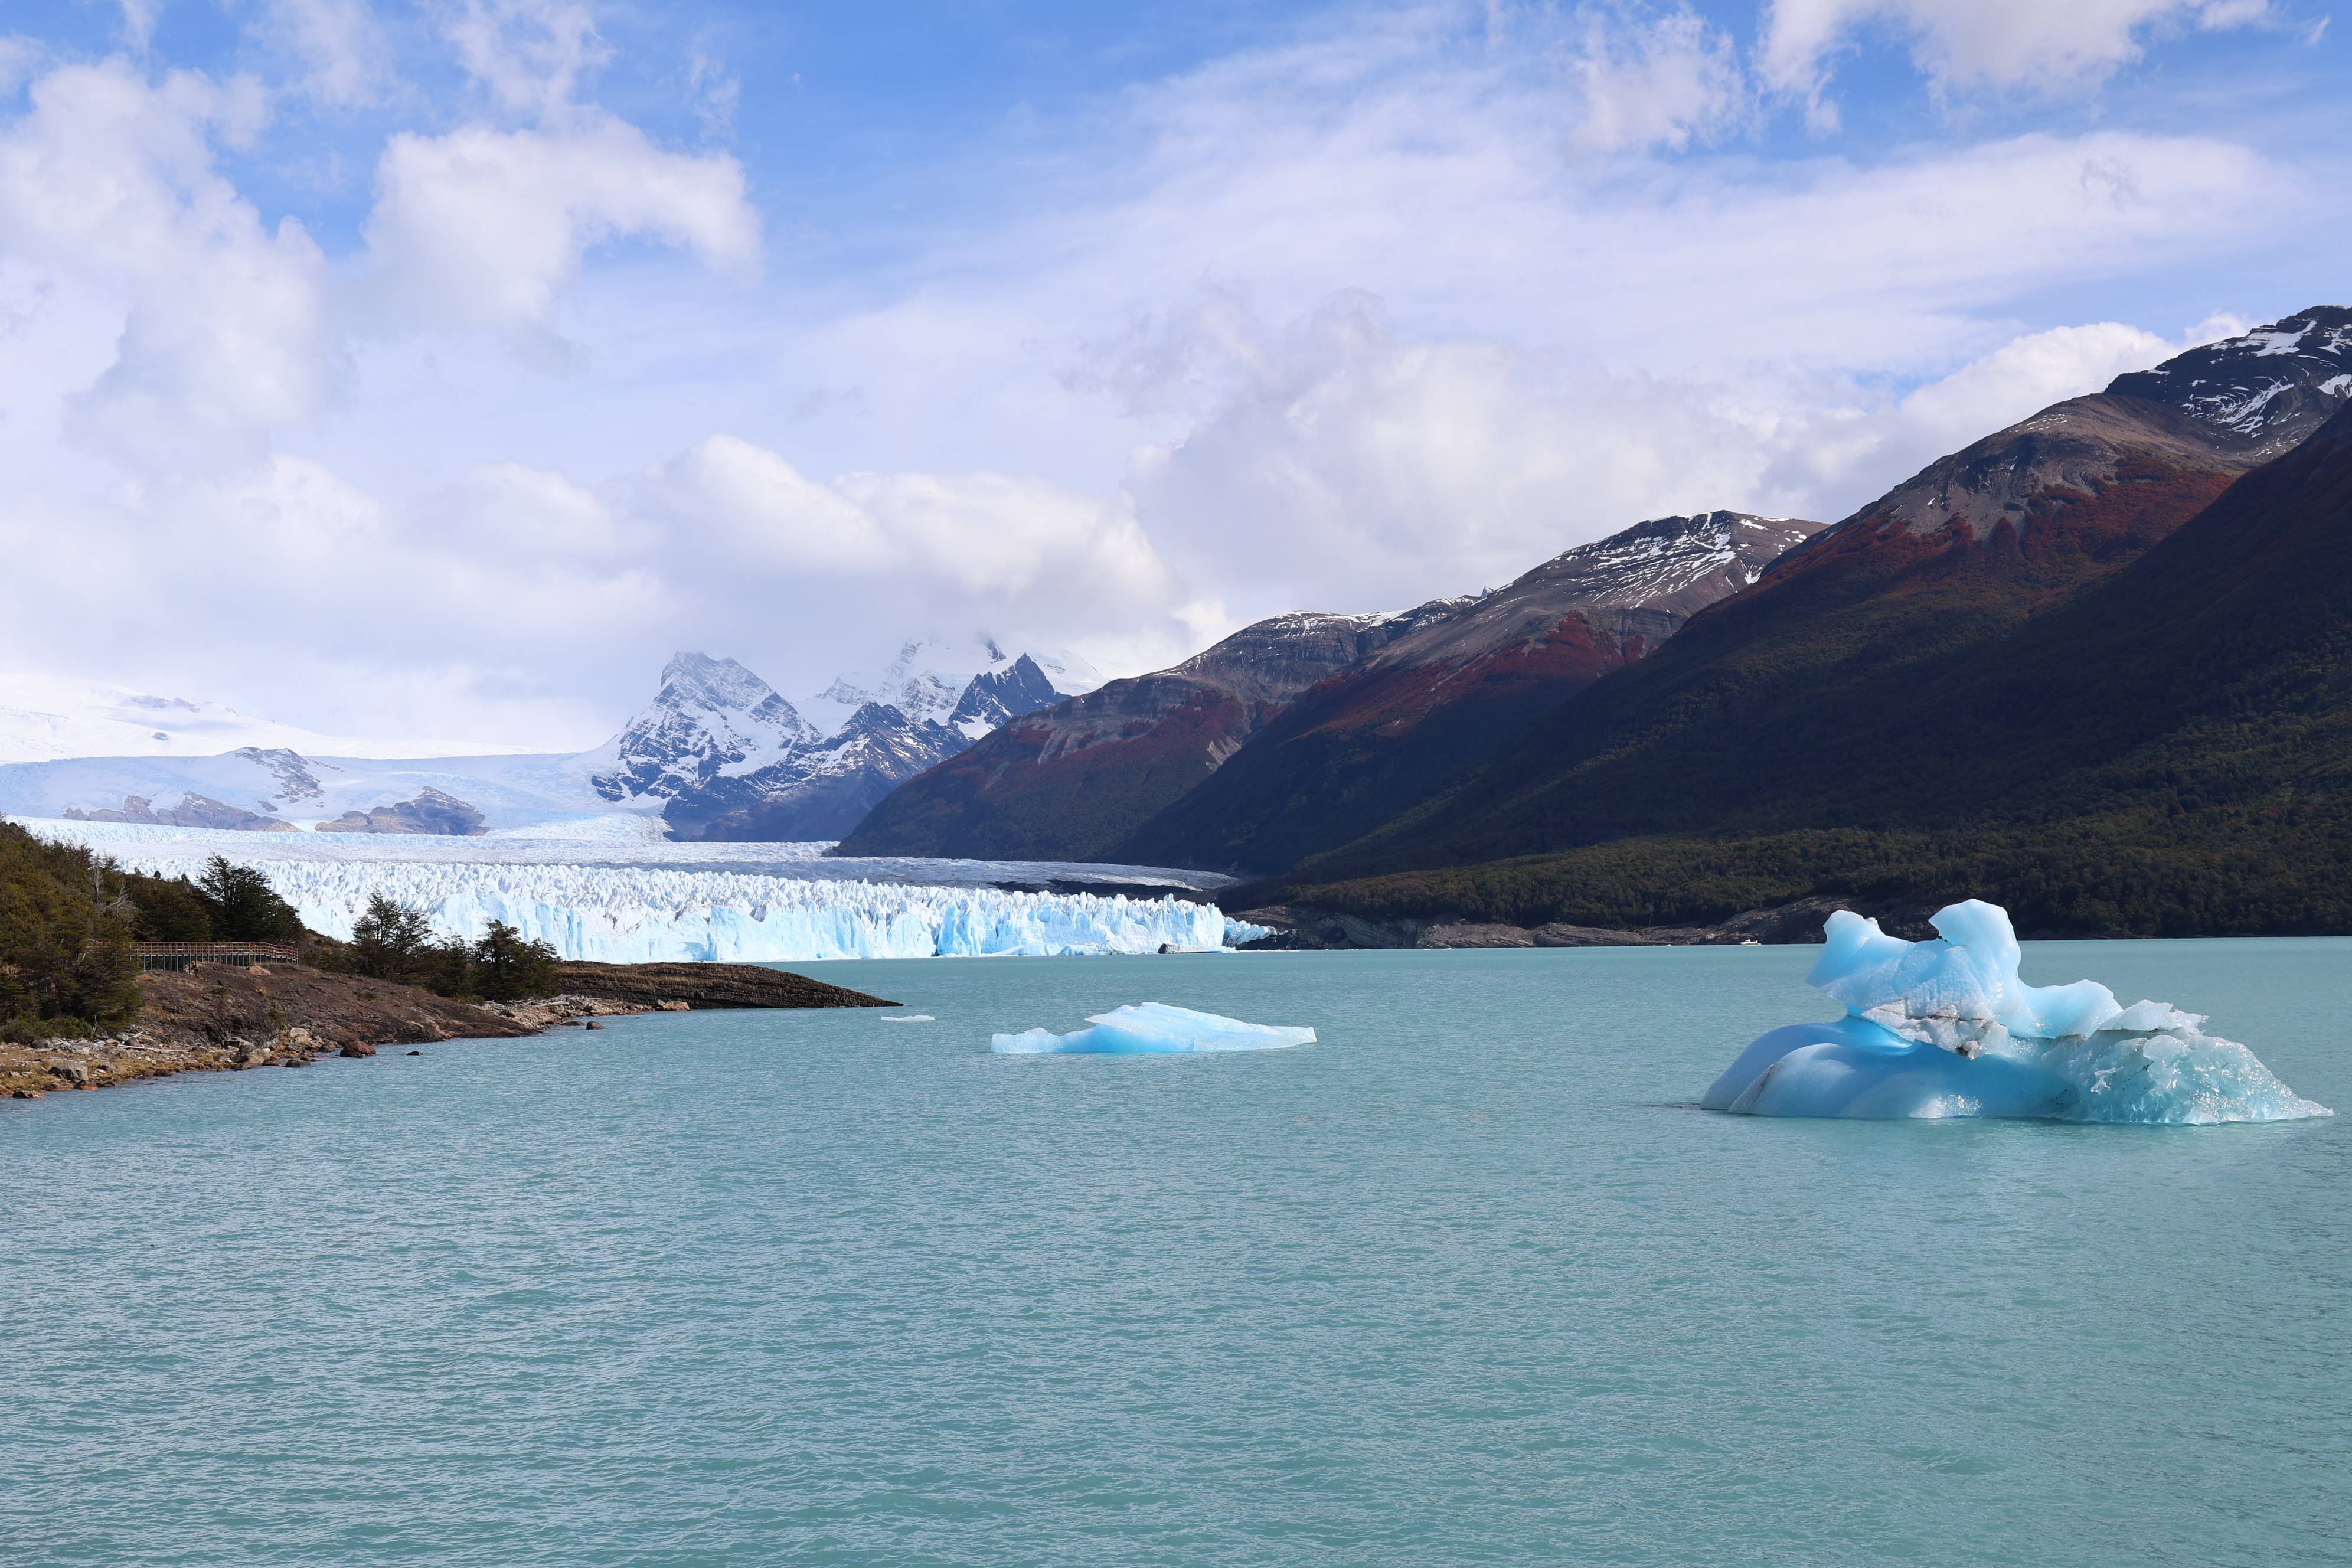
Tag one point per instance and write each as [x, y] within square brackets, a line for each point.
[1947, 1029]
[1153, 1029]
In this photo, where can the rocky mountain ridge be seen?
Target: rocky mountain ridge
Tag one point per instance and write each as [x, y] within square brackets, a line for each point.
[730, 759]
[1071, 781]
[1369, 740]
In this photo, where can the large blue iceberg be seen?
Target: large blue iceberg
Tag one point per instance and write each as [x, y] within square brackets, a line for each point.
[1947, 1029]
[1153, 1029]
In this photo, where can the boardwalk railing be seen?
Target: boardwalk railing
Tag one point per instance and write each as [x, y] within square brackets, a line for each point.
[188, 954]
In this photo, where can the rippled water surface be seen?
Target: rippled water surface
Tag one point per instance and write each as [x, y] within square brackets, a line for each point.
[1467, 1283]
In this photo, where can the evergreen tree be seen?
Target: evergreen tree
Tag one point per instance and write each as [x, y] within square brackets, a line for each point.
[392, 942]
[65, 958]
[242, 907]
[508, 967]
[168, 909]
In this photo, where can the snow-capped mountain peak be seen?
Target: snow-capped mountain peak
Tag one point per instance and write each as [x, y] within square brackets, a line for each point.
[928, 680]
[2269, 387]
[996, 695]
[729, 758]
[718, 684]
[711, 716]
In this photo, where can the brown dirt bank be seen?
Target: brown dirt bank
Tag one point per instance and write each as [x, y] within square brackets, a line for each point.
[709, 985]
[220, 1018]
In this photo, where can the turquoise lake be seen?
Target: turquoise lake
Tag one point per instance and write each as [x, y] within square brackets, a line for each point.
[1467, 1283]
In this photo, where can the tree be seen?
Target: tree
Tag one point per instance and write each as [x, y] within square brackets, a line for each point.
[509, 967]
[242, 907]
[66, 959]
[391, 941]
[168, 909]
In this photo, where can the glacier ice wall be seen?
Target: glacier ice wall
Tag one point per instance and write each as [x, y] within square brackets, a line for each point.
[1153, 1029]
[633, 914]
[1947, 1028]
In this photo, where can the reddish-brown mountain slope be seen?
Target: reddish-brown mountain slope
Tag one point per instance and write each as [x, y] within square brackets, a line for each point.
[1372, 738]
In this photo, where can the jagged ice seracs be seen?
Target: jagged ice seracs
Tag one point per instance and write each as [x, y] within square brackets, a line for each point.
[640, 914]
[1153, 1028]
[1947, 1029]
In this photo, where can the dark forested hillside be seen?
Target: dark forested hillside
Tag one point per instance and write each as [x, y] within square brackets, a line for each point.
[2165, 747]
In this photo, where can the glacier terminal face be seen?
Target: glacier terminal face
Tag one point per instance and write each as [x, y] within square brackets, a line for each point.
[782, 905]
[1153, 1029]
[1946, 1028]
[634, 914]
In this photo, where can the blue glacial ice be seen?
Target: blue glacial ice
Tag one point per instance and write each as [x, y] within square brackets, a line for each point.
[1946, 1028]
[1153, 1029]
[637, 914]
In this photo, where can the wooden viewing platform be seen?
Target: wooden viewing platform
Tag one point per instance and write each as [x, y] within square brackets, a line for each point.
[188, 954]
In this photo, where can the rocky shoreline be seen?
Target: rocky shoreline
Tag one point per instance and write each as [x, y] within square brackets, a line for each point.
[1303, 927]
[220, 1018]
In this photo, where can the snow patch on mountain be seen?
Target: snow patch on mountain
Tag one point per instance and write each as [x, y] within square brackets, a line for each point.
[2270, 387]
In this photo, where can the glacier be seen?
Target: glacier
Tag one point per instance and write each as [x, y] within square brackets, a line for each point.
[1153, 1028]
[653, 901]
[1947, 1028]
[640, 914]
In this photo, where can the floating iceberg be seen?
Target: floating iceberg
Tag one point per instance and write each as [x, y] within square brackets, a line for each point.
[1947, 1029]
[1153, 1029]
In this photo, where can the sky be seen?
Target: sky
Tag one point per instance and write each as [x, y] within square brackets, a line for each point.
[440, 369]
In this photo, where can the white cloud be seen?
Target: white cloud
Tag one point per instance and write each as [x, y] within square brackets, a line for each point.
[2026, 374]
[714, 92]
[1353, 469]
[339, 47]
[139, 18]
[485, 227]
[530, 518]
[109, 183]
[1660, 82]
[900, 553]
[1394, 309]
[2029, 44]
[532, 56]
[20, 57]
[750, 506]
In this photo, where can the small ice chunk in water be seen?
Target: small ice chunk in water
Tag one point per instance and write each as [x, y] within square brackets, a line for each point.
[1153, 1029]
[908, 1018]
[1947, 1029]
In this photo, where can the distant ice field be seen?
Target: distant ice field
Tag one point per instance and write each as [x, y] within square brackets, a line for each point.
[604, 889]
